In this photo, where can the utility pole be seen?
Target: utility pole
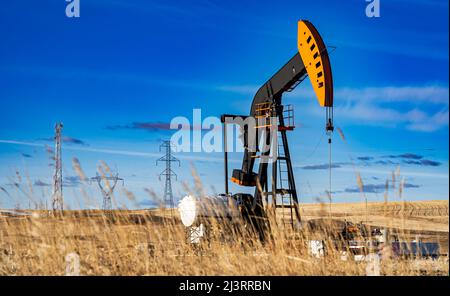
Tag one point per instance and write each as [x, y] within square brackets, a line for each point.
[168, 158]
[57, 196]
[108, 191]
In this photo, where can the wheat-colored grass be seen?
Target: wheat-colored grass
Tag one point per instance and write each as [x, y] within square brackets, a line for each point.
[153, 242]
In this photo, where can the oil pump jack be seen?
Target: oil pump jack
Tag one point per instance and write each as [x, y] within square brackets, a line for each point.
[272, 120]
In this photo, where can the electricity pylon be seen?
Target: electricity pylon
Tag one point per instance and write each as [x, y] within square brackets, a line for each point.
[168, 158]
[107, 191]
[57, 196]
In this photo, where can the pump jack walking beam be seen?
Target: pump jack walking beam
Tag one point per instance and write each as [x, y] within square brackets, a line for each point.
[311, 60]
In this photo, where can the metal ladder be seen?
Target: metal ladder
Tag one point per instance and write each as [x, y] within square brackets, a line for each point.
[284, 192]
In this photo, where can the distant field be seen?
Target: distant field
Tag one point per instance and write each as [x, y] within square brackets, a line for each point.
[418, 215]
[154, 243]
[429, 219]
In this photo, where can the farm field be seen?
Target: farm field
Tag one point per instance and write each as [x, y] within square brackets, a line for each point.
[427, 219]
[154, 243]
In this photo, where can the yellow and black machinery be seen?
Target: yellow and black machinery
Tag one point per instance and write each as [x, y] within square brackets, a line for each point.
[264, 131]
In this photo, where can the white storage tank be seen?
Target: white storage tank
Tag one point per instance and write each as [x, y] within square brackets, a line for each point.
[192, 209]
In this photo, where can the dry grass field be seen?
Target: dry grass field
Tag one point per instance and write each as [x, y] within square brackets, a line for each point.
[154, 243]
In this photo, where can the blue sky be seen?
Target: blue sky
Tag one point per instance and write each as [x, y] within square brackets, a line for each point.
[118, 74]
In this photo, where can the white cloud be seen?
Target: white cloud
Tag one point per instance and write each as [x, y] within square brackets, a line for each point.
[409, 94]
[241, 89]
[430, 124]
[192, 156]
[434, 94]
[413, 119]
[371, 105]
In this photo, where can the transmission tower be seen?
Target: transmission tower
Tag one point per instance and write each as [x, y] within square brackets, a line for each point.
[107, 190]
[168, 158]
[57, 196]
